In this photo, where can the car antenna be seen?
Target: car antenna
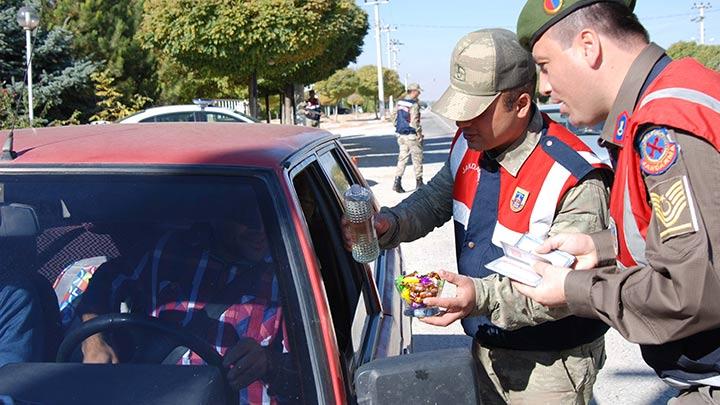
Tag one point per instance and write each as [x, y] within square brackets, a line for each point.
[7, 151]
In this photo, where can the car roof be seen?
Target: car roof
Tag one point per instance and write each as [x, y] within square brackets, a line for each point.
[154, 111]
[260, 145]
[185, 107]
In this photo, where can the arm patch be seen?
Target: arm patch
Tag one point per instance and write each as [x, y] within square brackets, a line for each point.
[673, 208]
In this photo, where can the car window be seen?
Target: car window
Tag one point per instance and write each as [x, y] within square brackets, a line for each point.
[202, 253]
[219, 117]
[188, 116]
[345, 280]
[334, 171]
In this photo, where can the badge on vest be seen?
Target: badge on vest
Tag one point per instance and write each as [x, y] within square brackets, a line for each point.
[658, 152]
[519, 199]
[673, 208]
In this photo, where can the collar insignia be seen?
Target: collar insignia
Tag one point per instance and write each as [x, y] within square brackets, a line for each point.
[621, 127]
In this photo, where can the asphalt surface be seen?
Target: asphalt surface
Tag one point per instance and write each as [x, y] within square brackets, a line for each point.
[625, 378]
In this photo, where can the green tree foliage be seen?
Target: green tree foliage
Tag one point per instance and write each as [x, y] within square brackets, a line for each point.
[60, 80]
[368, 86]
[283, 41]
[105, 32]
[111, 105]
[355, 99]
[180, 84]
[343, 33]
[708, 55]
[340, 85]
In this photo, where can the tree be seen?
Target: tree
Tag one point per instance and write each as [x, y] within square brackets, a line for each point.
[355, 100]
[281, 40]
[180, 84]
[368, 85]
[105, 32]
[338, 86]
[708, 55]
[110, 102]
[60, 81]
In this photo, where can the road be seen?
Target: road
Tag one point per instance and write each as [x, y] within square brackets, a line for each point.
[625, 379]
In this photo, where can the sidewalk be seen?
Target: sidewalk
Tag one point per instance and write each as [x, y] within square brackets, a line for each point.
[360, 124]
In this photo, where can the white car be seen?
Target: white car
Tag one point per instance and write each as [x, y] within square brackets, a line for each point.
[187, 113]
[589, 135]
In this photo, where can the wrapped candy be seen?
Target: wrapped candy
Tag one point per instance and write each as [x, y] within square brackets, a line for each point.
[414, 288]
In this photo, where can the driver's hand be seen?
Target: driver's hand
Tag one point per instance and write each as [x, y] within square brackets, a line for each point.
[247, 362]
[96, 351]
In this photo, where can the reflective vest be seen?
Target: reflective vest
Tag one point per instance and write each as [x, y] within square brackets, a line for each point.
[684, 96]
[491, 206]
[678, 98]
[402, 117]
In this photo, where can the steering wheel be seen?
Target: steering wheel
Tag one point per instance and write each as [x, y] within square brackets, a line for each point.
[116, 321]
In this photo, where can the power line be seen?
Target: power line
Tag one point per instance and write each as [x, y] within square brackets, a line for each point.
[700, 19]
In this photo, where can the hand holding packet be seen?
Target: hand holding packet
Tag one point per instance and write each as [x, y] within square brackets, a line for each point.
[518, 261]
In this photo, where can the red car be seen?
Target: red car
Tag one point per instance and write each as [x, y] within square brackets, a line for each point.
[91, 203]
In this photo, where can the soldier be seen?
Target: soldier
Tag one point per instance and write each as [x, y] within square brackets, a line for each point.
[511, 171]
[409, 136]
[313, 110]
[662, 121]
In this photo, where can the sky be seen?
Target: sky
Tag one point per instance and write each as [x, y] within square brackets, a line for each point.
[429, 29]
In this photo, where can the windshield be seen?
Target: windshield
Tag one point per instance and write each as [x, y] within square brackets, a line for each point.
[203, 253]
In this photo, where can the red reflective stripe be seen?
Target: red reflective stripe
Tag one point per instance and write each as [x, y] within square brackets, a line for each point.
[703, 122]
[531, 178]
[685, 115]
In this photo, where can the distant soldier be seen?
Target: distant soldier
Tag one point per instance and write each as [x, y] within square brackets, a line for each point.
[409, 136]
[312, 110]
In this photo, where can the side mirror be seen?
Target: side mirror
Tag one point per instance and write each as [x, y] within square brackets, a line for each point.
[451, 376]
[18, 220]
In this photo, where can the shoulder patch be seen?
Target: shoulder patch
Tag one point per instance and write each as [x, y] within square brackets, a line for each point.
[658, 152]
[673, 208]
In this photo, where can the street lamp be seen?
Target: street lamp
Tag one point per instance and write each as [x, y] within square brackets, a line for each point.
[28, 19]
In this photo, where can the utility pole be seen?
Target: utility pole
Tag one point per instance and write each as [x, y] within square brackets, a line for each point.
[395, 50]
[387, 29]
[701, 7]
[378, 54]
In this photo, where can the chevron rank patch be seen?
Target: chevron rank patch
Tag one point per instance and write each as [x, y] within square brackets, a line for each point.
[673, 208]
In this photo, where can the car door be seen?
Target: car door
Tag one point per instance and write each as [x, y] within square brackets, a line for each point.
[365, 315]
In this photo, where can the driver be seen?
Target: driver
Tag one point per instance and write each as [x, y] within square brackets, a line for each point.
[220, 285]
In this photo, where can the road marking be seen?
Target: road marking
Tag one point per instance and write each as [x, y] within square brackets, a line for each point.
[452, 128]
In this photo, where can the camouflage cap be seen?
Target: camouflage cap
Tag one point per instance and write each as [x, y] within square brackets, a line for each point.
[484, 63]
[539, 15]
[414, 86]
